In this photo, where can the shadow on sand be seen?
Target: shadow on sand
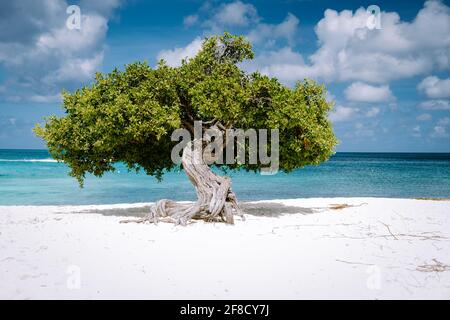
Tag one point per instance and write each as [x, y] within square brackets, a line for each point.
[260, 209]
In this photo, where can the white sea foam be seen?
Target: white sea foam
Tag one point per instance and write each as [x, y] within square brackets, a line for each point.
[28, 160]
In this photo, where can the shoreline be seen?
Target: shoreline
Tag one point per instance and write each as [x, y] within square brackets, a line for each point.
[336, 248]
[125, 205]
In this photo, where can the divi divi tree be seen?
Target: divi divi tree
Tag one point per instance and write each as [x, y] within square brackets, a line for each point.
[129, 116]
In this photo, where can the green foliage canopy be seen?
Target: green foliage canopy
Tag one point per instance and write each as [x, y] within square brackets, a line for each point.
[128, 116]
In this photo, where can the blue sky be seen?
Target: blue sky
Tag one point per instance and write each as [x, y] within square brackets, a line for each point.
[391, 86]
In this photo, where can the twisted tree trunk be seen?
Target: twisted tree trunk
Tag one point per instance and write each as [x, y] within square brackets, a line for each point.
[215, 199]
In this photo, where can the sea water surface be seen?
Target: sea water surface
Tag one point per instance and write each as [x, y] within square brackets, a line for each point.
[31, 177]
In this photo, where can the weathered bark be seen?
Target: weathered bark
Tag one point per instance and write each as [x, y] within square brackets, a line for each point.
[215, 199]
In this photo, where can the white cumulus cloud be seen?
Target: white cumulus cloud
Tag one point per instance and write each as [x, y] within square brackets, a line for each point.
[41, 55]
[349, 51]
[440, 129]
[264, 32]
[373, 112]
[233, 14]
[435, 105]
[173, 57]
[341, 113]
[362, 92]
[190, 20]
[435, 88]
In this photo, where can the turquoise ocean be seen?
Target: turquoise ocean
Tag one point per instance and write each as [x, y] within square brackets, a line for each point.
[31, 177]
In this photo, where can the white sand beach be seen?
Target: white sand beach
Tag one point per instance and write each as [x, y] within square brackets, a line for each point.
[286, 249]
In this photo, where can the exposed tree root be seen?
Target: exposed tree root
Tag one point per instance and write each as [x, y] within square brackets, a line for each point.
[216, 202]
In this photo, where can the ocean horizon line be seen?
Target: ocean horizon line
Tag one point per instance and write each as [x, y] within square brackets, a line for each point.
[373, 152]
